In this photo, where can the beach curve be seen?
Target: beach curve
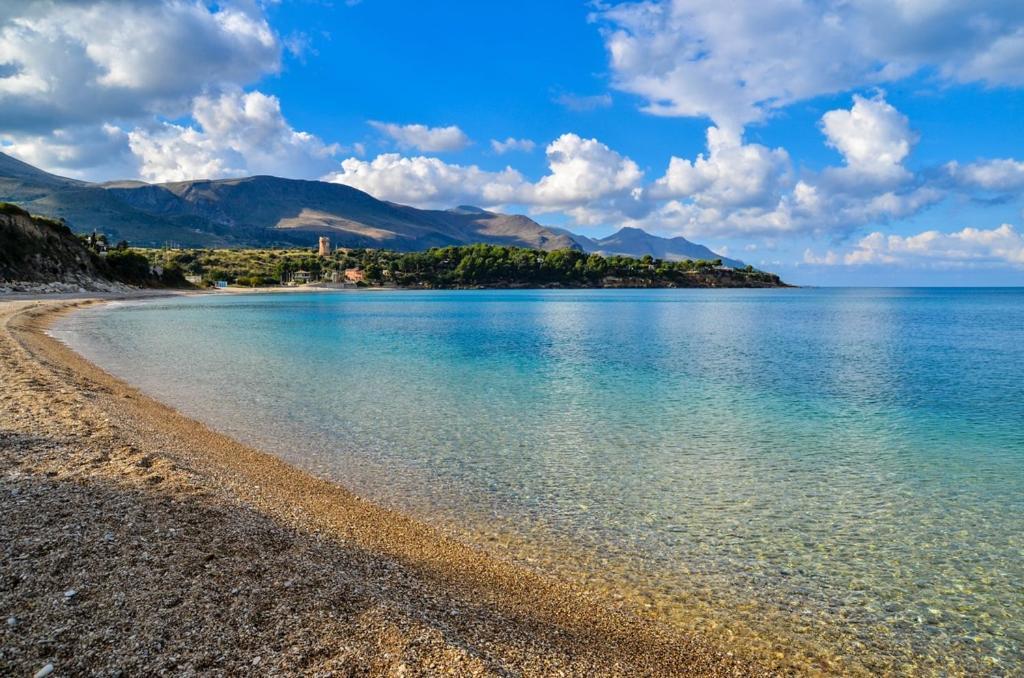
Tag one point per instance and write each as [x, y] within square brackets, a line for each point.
[137, 539]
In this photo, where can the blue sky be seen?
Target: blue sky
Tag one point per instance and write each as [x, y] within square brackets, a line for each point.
[859, 142]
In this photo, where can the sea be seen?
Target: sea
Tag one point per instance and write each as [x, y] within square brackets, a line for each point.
[834, 476]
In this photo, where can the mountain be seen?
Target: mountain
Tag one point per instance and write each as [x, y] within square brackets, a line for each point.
[258, 211]
[263, 211]
[87, 207]
[636, 242]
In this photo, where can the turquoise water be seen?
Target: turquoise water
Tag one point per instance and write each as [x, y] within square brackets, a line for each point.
[836, 469]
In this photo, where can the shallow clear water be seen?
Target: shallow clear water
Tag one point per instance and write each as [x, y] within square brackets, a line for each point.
[841, 469]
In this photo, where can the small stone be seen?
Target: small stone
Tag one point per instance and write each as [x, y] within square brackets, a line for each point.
[45, 671]
[12, 621]
[70, 593]
[256, 660]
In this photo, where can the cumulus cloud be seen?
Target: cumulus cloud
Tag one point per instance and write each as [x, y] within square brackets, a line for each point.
[423, 138]
[512, 144]
[98, 61]
[583, 170]
[740, 189]
[236, 134]
[737, 62]
[998, 175]
[733, 174]
[873, 138]
[970, 247]
[733, 189]
[428, 182]
[83, 86]
[581, 174]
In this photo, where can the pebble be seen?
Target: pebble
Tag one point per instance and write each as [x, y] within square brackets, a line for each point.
[70, 593]
[12, 621]
[45, 671]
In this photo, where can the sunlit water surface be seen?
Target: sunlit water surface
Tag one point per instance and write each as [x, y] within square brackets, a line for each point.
[838, 472]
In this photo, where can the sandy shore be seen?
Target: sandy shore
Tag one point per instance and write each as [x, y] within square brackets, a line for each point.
[135, 541]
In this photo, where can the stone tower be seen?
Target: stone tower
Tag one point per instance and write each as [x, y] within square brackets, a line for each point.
[325, 246]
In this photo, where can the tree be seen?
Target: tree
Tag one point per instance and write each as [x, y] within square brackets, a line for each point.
[127, 266]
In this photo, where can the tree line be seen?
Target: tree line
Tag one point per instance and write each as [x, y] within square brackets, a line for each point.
[480, 265]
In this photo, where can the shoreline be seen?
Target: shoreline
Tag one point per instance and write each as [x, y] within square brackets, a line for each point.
[274, 570]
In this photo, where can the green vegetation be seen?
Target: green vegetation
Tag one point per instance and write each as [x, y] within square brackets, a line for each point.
[130, 266]
[12, 209]
[453, 267]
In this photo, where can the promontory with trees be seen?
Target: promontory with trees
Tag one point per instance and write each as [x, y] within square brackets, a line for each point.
[467, 266]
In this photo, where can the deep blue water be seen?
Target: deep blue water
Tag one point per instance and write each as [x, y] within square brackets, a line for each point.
[845, 466]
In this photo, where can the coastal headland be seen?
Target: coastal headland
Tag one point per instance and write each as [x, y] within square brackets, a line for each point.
[137, 540]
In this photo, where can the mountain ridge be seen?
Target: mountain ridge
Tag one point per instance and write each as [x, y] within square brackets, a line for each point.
[263, 210]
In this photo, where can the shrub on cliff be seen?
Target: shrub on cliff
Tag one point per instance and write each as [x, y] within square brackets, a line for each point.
[128, 267]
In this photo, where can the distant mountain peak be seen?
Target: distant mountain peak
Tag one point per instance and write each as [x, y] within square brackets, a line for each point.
[468, 209]
[11, 167]
[636, 242]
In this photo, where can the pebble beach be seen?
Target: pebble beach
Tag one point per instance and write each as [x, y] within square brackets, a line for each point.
[137, 541]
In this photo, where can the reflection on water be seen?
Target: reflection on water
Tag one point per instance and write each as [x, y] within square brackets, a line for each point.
[838, 469]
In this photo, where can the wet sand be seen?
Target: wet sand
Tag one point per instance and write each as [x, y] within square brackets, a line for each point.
[135, 540]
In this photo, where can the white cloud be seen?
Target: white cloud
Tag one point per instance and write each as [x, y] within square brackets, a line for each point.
[734, 189]
[76, 76]
[970, 247]
[1002, 175]
[423, 138]
[830, 258]
[428, 182]
[873, 138]
[237, 134]
[738, 189]
[98, 61]
[583, 103]
[512, 144]
[737, 62]
[583, 175]
[581, 171]
[733, 174]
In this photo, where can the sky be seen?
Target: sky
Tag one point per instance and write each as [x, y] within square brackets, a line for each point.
[836, 142]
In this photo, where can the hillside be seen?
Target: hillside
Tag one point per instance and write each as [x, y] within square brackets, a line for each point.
[39, 254]
[266, 211]
[34, 249]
